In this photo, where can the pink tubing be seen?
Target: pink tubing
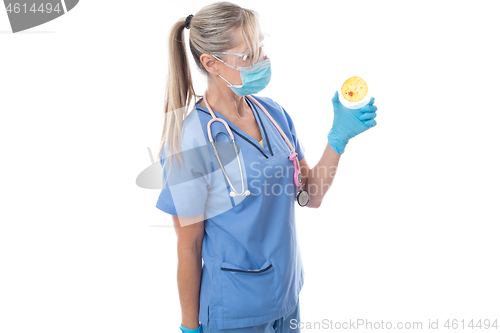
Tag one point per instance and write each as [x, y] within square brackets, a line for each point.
[292, 157]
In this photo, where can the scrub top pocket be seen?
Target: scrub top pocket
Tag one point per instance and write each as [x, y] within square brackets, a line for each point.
[248, 292]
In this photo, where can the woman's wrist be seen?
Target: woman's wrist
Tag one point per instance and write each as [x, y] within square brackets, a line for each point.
[188, 330]
[338, 139]
[337, 144]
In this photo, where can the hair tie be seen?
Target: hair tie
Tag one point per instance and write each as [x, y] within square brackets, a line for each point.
[187, 23]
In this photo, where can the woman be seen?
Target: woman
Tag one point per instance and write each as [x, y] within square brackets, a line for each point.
[252, 272]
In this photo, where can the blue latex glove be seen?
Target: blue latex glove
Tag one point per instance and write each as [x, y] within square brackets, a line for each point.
[187, 330]
[347, 123]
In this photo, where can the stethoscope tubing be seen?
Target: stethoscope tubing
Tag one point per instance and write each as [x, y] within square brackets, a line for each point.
[279, 130]
[293, 156]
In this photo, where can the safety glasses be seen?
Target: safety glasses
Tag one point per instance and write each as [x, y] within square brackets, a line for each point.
[243, 59]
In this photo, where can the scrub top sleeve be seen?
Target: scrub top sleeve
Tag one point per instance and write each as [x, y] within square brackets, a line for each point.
[185, 185]
[299, 147]
[165, 201]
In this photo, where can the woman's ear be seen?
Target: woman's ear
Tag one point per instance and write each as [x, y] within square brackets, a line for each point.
[209, 63]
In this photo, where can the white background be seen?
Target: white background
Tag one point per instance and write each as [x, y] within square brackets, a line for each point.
[408, 232]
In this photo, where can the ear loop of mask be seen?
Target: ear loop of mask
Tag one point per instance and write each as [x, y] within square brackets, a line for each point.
[230, 84]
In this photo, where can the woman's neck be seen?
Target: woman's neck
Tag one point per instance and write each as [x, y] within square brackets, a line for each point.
[223, 100]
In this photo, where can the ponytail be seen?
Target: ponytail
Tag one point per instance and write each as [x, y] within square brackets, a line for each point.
[179, 92]
[211, 31]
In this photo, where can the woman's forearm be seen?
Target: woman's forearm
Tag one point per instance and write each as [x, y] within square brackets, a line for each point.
[320, 178]
[188, 281]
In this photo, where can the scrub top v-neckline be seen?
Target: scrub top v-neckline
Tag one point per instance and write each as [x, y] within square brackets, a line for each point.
[263, 132]
[266, 150]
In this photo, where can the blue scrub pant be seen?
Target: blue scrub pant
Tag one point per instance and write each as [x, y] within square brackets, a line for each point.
[280, 325]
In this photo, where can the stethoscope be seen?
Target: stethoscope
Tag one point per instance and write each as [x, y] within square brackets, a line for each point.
[302, 196]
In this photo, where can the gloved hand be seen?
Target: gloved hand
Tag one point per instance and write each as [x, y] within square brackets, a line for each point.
[347, 123]
[187, 330]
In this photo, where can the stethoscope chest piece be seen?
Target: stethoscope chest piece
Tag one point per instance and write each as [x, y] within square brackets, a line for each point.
[302, 197]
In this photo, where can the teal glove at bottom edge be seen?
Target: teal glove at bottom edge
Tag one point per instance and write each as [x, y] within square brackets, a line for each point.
[188, 330]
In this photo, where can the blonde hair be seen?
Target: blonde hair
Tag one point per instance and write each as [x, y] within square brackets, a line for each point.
[211, 32]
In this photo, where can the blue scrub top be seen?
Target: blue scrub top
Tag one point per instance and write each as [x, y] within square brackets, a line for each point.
[252, 269]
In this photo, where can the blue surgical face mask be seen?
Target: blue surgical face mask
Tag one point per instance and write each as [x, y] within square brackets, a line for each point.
[254, 78]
